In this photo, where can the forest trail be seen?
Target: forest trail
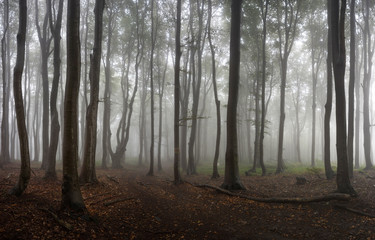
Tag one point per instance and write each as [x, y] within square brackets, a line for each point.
[127, 204]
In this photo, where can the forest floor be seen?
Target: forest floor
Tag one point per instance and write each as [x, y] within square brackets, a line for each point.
[127, 204]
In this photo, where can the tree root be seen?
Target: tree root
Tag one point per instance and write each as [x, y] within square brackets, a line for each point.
[354, 211]
[329, 197]
[64, 224]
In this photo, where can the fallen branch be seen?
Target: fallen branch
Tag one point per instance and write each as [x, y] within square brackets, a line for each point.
[354, 211]
[66, 225]
[117, 201]
[329, 197]
[98, 195]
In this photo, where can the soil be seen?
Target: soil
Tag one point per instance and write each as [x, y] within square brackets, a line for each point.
[127, 204]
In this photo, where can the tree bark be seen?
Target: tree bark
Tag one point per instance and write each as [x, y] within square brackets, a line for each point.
[88, 173]
[24, 176]
[351, 88]
[328, 106]
[232, 177]
[71, 193]
[337, 29]
[55, 126]
[176, 169]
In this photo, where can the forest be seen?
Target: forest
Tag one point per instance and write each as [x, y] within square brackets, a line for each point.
[187, 119]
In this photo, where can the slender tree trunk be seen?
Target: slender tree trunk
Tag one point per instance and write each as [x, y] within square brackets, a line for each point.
[153, 39]
[25, 171]
[88, 173]
[215, 173]
[71, 193]
[328, 106]
[232, 177]
[55, 126]
[351, 88]
[337, 28]
[177, 176]
[357, 111]
[368, 54]
[4, 154]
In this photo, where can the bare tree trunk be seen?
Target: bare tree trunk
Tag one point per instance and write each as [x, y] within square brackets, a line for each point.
[368, 53]
[232, 177]
[177, 176]
[44, 41]
[88, 173]
[215, 173]
[55, 126]
[328, 107]
[4, 154]
[351, 88]
[71, 193]
[25, 171]
[337, 29]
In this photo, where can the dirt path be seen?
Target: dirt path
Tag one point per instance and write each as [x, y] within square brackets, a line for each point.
[129, 205]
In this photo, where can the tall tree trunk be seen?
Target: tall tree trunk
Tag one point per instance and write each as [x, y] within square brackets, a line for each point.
[153, 39]
[368, 53]
[4, 154]
[71, 193]
[358, 65]
[24, 176]
[337, 28]
[88, 173]
[328, 106]
[263, 96]
[215, 173]
[107, 93]
[291, 18]
[55, 126]
[176, 170]
[351, 88]
[232, 177]
[44, 41]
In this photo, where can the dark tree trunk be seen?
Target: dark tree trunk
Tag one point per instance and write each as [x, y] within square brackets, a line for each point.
[153, 40]
[55, 126]
[328, 106]
[4, 154]
[24, 176]
[177, 176]
[44, 41]
[215, 173]
[337, 29]
[368, 53]
[351, 88]
[107, 93]
[88, 173]
[291, 18]
[232, 176]
[71, 193]
[263, 96]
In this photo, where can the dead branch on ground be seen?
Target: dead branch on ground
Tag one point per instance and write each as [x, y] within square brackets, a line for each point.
[64, 224]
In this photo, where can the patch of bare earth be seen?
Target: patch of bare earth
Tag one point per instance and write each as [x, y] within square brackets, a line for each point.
[127, 204]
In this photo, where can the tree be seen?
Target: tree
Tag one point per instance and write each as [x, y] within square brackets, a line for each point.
[176, 170]
[328, 106]
[368, 53]
[215, 173]
[337, 28]
[264, 8]
[4, 154]
[44, 41]
[232, 178]
[285, 43]
[88, 173]
[55, 126]
[153, 40]
[71, 193]
[351, 87]
[25, 171]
